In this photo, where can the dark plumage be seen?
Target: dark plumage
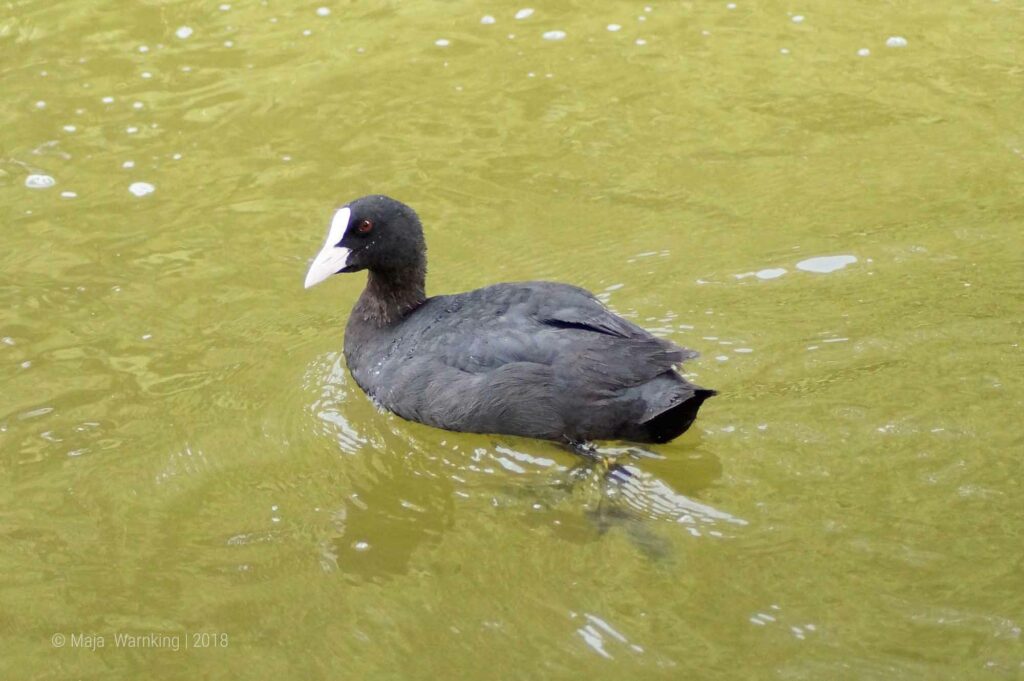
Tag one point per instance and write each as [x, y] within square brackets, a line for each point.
[536, 359]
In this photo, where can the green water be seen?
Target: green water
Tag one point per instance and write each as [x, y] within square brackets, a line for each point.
[182, 452]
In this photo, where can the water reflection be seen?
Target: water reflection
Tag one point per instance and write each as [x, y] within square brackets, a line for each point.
[406, 479]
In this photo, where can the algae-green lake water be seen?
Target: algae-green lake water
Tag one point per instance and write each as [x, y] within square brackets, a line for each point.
[826, 199]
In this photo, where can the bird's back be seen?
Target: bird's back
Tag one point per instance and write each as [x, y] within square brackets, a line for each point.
[537, 359]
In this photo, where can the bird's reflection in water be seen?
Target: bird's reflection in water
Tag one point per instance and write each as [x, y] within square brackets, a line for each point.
[608, 491]
[406, 484]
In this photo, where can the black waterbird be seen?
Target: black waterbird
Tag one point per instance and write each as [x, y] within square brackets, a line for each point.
[535, 359]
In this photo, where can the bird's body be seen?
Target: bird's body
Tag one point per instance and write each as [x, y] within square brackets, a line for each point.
[536, 359]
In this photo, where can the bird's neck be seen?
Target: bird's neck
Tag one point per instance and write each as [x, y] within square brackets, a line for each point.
[390, 295]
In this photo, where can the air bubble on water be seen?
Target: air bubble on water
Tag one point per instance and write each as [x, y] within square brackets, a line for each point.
[863, 52]
[68, 195]
[323, 11]
[524, 13]
[770, 273]
[798, 19]
[442, 42]
[138, 105]
[554, 35]
[614, 27]
[826, 263]
[128, 164]
[896, 41]
[40, 104]
[184, 32]
[487, 19]
[37, 181]
[141, 188]
[70, 128]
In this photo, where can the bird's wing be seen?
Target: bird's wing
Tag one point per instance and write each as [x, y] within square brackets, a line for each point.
[559, 326]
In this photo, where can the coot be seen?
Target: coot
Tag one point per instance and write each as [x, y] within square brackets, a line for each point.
[534, 358]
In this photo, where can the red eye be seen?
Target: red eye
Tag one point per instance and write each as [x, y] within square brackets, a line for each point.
[365, 226]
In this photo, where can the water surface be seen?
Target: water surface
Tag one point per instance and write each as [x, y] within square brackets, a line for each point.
[834, 223]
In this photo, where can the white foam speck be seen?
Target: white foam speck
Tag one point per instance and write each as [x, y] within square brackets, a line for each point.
[487, 19]
[143, 48]
[128, 164]
[554, 35]
[107, 100]
[146, 74]
[442, 42]
[40, 104]
[863, 52]
[70, 128]
[896, 41]
[141, 188]
[784, 50]
[176, 157]
[361, 546]
[826, 263]
[307, 32]
[69, 195]
[131, 129]
[137, 105]
[39, 181]
[641, 41]
[323, 11]
[743, 351]
[770, 273]
[229, 43]
[648, 8]
[524, 13]
[184, 32]
[224, 8]
[731, 5]
[614, 27]
[798, 19]
[722, 358]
